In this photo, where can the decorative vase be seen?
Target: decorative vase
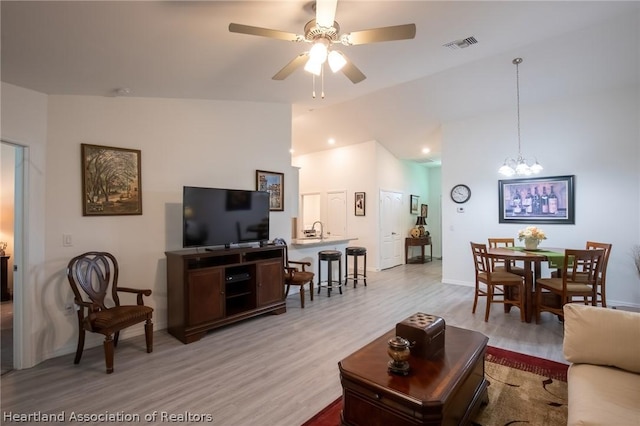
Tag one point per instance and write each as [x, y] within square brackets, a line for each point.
[398, 351]
[531, 244]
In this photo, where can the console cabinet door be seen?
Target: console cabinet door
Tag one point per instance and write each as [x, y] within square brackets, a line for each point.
[270, 282]
[205, 295]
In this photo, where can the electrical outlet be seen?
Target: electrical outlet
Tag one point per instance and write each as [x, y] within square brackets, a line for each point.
[69, 308]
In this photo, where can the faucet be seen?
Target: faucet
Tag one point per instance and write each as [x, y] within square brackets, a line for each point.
[313, 228]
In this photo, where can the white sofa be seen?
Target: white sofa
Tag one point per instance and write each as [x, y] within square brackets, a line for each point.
[603, 347]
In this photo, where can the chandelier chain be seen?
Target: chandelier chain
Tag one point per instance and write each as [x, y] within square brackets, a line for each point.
[518, 103]
[519, 165]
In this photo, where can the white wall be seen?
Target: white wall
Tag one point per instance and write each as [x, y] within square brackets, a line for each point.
[366, 167]
[595, 137]
[24, 122]
[183, 142]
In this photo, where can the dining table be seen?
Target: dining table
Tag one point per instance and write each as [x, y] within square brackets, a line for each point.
[532, 266]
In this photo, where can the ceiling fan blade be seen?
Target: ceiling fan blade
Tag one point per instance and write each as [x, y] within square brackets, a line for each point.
[396, 32]
[295, 63]
[326, 12]
[352, 72]
[264, 32]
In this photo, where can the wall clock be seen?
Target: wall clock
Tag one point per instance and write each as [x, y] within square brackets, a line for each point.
[460, 193]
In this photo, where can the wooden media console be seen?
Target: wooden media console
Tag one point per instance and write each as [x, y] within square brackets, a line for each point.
[209, 289]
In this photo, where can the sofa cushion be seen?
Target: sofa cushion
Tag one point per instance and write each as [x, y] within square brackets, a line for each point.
[602, 336]
[602, 396]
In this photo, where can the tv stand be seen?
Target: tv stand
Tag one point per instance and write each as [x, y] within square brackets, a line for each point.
[210, 289]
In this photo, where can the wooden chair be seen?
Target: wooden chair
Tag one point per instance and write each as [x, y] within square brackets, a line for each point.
[94, 272]
[497, 283]
[499, 264]
[601, 279]
[601, 296]
[578, 279]
[295, 273]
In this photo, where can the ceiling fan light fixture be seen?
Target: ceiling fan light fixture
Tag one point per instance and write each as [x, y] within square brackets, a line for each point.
[336, 60]
[322, 33]
[313, 67]
[319, 50]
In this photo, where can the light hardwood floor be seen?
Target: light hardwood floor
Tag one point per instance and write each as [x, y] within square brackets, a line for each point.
[271, 370]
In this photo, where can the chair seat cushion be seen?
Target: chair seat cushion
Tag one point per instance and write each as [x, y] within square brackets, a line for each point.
[556, 284]
[299, 277]
[118, 317]
[355, 250]
[501, 277]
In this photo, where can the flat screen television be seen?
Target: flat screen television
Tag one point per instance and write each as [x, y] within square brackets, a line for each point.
[216, 216]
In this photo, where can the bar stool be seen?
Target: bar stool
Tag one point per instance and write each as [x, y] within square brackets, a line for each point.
[355, 252]
[329, 256]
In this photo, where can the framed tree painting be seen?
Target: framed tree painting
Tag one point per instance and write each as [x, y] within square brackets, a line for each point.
[360, 203]
[537, 200]
[111, 181]
[273, 183]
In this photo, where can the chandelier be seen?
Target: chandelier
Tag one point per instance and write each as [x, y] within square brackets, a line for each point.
[519, 166]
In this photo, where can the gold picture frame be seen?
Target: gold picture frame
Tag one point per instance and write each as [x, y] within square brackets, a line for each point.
[111, 181]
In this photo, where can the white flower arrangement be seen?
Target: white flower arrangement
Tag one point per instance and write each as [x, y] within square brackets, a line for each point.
[531, 233]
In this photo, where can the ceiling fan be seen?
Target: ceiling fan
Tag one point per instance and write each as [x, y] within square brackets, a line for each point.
[323, 33]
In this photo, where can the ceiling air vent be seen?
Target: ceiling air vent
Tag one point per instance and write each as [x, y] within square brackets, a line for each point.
[424, 161]
[461, 44]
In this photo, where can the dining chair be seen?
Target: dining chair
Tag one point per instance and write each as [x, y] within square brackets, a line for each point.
[601, 296]
[499, 264]
[601, 279]
[96, 274]
[578, 278]
[497, 283]
[295, 273]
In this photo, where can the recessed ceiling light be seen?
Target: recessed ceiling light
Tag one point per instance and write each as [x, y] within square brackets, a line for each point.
[332, 141]
[426, 150]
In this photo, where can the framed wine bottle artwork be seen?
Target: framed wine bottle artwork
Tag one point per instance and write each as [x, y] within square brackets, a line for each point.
[537, 200]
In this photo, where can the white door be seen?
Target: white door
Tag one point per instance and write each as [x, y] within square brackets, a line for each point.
[390, 229]
[336, 214]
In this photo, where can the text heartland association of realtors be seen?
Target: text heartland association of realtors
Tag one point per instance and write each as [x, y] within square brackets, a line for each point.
[106, 417]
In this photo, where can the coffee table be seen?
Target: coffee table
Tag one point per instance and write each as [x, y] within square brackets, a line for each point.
[444, 391]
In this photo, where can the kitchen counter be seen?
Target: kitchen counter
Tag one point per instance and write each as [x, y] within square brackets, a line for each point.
[315, 241]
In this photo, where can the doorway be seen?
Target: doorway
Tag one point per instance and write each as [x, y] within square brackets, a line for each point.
[336, 214]
[390, 229]
[11, 232]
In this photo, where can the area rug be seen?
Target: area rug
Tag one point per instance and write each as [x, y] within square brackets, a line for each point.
[523, 389]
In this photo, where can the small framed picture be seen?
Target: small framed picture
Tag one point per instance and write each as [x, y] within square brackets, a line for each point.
[424, 210]
[273, 183]
[413, 206]
[111, 181]
[359, 203]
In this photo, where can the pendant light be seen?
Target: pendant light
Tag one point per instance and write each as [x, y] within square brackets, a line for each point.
[519, 166]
